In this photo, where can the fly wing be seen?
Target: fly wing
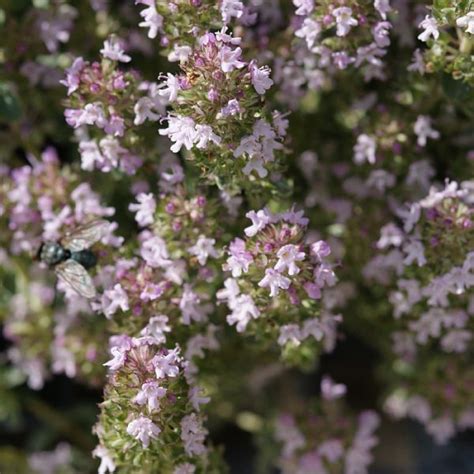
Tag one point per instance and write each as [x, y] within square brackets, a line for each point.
[83, 236]
[76, 276]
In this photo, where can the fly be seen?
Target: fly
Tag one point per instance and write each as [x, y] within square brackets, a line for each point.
[71, 257]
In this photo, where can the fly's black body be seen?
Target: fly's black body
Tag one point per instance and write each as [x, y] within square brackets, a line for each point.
[53, 253]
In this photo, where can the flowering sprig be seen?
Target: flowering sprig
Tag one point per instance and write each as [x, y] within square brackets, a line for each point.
[448, 33]
[178, 23]
[151, 415]
[324, 436]
[106, 105]
[356, 34]
[219, 115]
[277, 274]
[435, 391]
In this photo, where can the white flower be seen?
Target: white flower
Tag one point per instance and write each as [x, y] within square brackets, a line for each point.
[106, 462]
[144, 209]
[309, 30]
[181, 130]
[153, 250]
[113, 50]
[230, 59]
[185, 468]
[193, 435]
[430, 26]
[288, 255]
[180, 53]
[243, 310]
[467, 21]
[365, 149]
[151, 18]
[303, 7]
[149, 395]
[144, 110]
[143, 429]
[331, 390]
[442, 429]
[167, 365]
[259, 220]
[156, 328]
[423, 130]
[203, 249]
[275, 281]
[114, 299]
[383, 7]
[204, 135]
[261, 78]
[231, 8]
[290, 333]
[344, 20]
[169, 88]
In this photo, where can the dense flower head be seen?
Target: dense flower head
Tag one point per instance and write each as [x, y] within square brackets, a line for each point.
[346, 36]
[170, 20]
[276, 273]
[218, 114]
[433, 300]
[105, 105]
[40, 202]
[441, 399]
[147, 411]
[324, 436]
[446, 34]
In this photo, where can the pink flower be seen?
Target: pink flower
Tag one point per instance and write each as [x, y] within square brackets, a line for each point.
[344, 20]
[231, 8]
[320, 249]
[230, 59]
[167, 364]
[151, 18]
[150, 394]
[113, 50]
[275, 281]
[114, 299]
[288, 255]
[143, 429]
[290, 333]
[153, 250]
[144, 209]
[260, 78]
[203, 249]
[156, 328]
[239, 259]
[243, 310]
[259, 220]
[430, 26]
[73, 75]
[331, 390]
[193, 435]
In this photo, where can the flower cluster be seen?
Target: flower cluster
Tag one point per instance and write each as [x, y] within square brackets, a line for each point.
[277, 274]
[151, 415]
[105, 105]
[447, 31]
[432, 260]
[218, 113]
[348, 34]
[179, 23]
[436, 393]
[325, 437]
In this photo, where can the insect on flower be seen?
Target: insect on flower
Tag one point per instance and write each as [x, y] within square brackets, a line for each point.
[71, 257]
